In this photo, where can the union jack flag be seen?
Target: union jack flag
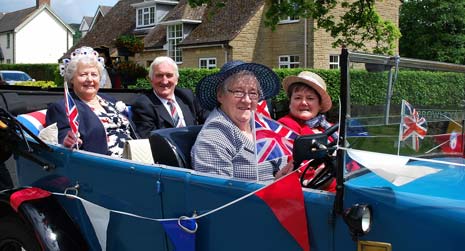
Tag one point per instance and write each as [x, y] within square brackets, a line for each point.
[413, 126]
[71, 111]
[273, 140]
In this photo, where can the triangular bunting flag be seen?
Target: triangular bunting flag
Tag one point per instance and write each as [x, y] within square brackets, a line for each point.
[286, 200]
[182, 237]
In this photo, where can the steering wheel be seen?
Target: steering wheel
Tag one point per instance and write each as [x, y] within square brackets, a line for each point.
[325, 166]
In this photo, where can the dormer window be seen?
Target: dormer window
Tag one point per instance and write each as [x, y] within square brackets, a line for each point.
[146, 16]
[150, 12]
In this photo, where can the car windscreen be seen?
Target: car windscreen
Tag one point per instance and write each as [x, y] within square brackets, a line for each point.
[15, 76]
[405, 110]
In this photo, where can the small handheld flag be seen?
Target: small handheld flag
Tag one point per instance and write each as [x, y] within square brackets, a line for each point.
[71, 111]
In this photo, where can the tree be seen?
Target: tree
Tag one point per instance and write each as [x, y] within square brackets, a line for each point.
[433, 30]
[360, 23]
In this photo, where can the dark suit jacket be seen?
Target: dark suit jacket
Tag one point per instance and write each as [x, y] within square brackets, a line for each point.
[91, 130]
[149, 113]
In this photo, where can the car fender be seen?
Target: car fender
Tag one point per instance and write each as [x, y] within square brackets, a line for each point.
[41, 211]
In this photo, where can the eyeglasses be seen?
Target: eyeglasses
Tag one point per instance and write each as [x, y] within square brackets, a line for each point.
[241, 94]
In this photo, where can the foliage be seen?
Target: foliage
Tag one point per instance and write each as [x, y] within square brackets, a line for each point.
[131, 69]
[132, 43]
[435, 26]
[42, 84]
[359, 24]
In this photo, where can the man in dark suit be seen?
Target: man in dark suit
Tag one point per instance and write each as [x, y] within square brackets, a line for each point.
[154, 109]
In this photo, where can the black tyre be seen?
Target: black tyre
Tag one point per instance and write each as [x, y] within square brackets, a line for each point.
[16, 236]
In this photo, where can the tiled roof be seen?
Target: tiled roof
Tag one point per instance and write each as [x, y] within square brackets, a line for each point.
[184, 11]
[118, 21]
[88, 20]
[11, 20]
[223, 24]
[105, 9]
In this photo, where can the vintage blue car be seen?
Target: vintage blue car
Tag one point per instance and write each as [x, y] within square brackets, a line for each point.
[398, 164]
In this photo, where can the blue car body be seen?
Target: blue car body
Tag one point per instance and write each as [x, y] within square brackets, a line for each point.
[427, 213]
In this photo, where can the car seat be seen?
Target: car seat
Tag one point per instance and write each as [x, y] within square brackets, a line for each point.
[172, 146]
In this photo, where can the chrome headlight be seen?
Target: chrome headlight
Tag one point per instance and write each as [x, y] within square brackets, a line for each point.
[359, 219]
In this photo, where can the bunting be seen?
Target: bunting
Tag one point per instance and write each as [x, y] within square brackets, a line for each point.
[285, 198]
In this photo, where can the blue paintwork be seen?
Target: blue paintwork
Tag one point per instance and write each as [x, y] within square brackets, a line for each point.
[432, 206]
[426, 214]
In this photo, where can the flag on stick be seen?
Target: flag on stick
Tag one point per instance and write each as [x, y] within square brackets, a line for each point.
[412, 126]
[71, 111]
[273, 140]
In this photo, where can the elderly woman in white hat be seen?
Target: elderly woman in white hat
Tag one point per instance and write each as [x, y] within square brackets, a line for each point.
[225, 145]
[308, 100]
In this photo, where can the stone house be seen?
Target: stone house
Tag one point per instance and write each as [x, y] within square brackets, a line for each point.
[203, 37]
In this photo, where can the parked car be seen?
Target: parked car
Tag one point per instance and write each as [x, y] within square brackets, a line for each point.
[13, 77]
[400, 182]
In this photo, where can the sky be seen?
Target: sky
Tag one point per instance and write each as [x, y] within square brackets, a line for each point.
[70, 11]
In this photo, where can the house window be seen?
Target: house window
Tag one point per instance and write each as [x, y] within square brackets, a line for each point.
[8, 61]
[174, 38]
[207, 63]
[289, 19]
[333, 61]
[289, 61]
[8, 40]
[146, 16]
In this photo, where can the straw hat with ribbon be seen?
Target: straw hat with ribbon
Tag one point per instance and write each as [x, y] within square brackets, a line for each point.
[314, 81]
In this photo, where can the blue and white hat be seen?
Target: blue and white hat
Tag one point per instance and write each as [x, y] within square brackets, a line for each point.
[207, 87]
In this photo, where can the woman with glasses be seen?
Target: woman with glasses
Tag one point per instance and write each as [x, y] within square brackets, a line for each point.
[225, 145]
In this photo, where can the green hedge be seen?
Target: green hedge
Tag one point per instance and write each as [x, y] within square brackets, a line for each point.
[443, 88]
[44, 72]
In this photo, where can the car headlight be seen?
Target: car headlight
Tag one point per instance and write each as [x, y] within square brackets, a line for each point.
[359, 219]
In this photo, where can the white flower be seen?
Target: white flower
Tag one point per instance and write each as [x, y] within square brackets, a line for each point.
[120, 106]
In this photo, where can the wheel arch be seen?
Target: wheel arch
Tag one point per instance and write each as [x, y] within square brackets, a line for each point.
[53, 227]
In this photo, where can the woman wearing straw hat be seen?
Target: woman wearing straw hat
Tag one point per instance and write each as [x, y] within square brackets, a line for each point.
[308, 100]
[225, 145]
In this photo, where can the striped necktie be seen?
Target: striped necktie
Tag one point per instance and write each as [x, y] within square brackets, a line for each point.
[177, 122]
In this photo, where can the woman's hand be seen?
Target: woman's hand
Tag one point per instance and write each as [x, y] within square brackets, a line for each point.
[285, 170]
[71, 140]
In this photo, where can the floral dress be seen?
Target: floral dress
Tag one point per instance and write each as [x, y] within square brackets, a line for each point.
[116, 126]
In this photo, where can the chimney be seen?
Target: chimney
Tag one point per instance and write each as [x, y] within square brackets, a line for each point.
[42, 2]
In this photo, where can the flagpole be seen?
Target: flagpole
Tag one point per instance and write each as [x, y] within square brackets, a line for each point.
[401, 124]
[255, 143]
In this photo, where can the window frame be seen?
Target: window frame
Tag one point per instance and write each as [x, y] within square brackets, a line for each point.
[286, 64]
[8, 40]
[333, 64]
[288, 19]
[208, 65]
[174, 51]
[140, 16]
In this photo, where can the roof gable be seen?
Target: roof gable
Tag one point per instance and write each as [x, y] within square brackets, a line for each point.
[118, 21]
[11, 20]
[44, 7]
[102, 10]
